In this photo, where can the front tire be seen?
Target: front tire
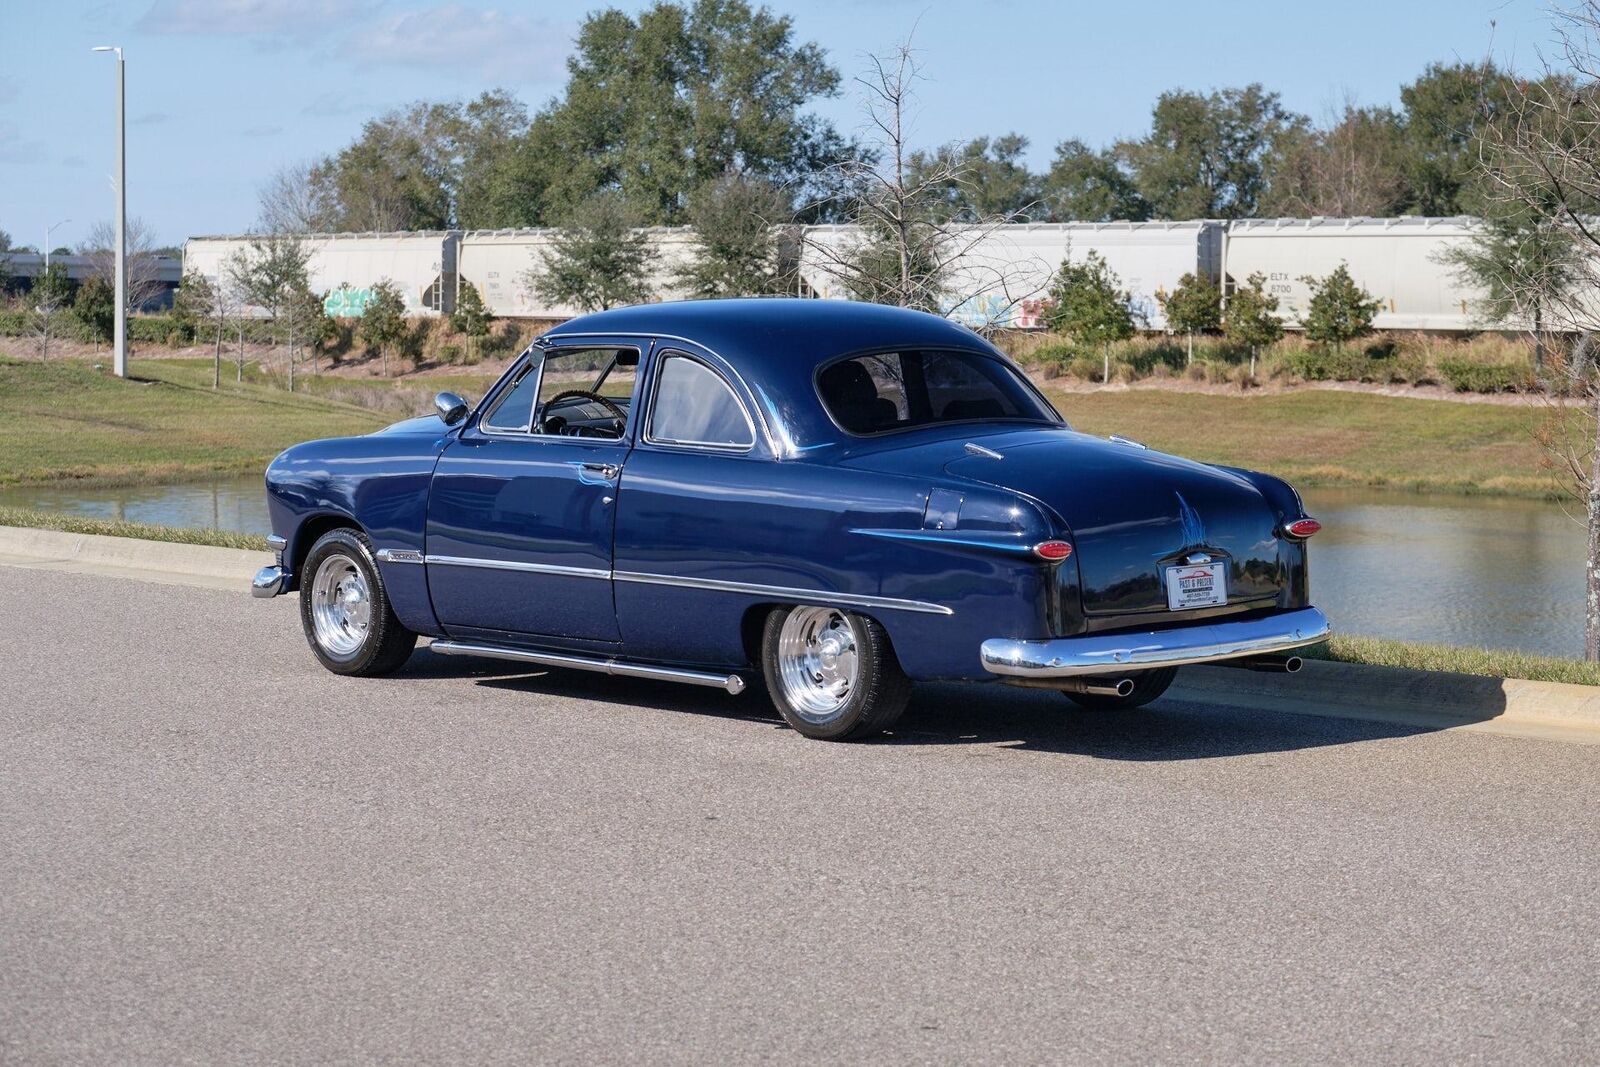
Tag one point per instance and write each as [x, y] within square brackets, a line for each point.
[1147, 686]
[345, 611]
[832, 674]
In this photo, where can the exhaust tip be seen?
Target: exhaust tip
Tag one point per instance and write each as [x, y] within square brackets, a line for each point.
[1124, 686]
[1292, 664]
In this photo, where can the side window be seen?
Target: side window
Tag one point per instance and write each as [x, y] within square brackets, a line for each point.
[515, 406]
[694, 406]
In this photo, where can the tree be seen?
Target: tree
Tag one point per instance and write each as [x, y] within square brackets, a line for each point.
[658, 105]
[908, 248]
[978, 180]
[738, 240]
[470, 316]
[1447, 109]
[1195, 306]
[598, 259]
[1340, 310]
[1354, 166]
[1250, 317]
[1089, 305]
[96, 307]
[1208, 156]
[296, 200]
[383, 322]
[142, 271]
[1083, 185]
[49, 300]
[206, 305]
[272, 273]
[5, 241]
[1541, 170]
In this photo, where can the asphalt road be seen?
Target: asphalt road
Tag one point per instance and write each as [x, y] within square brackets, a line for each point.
[211, 850]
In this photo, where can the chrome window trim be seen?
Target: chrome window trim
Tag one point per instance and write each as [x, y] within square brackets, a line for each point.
[766, 430]
[662, 358]
[787, 593]
[505, 393]
[527, 432]
[517, 565]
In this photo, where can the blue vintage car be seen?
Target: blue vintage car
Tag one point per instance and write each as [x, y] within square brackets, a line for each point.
[824, 499]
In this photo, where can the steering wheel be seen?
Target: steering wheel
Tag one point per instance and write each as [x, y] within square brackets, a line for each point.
[582, 394]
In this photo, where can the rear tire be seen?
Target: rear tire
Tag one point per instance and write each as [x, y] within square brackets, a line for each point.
[1147, 686]
[832, 674]
[345, 611]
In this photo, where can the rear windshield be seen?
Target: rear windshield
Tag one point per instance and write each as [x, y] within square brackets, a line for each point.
[897, 390]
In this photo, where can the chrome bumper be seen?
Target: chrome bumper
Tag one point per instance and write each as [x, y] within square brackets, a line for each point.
[1108, 654]
[269, 581]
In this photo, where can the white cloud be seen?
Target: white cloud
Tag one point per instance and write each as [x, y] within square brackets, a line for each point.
[259, 18]
[334, 104]
[13, 149]
[485, 43]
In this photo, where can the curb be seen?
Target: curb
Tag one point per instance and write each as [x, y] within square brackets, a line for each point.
[1435, 699]
[130, 557]
[1432, 699]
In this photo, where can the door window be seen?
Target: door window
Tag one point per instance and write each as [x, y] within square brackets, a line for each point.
[695, 406]
[515, 407]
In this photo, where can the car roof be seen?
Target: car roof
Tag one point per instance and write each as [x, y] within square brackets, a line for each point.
[776, 344]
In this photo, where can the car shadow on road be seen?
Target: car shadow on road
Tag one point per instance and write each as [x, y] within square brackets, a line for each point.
[975, 715]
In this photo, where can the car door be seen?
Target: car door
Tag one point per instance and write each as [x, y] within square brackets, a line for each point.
[522, 511]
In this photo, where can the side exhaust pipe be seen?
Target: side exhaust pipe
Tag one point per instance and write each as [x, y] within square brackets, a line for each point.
[1267, 664]
[1097, 687]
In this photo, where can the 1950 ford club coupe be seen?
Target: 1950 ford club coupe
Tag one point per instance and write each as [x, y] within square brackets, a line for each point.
[831, 500]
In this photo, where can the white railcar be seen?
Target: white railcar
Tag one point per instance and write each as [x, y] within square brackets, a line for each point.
[502, 265]
[345, 267]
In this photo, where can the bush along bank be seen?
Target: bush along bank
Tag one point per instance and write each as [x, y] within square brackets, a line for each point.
[1486, 363]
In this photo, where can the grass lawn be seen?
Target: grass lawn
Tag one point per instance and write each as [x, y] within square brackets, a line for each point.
[1381, 652]
[183, 535]
[68, 421]
[1324, 437]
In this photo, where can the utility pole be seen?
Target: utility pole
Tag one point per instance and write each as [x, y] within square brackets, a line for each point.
[120, 358]
[48, 230]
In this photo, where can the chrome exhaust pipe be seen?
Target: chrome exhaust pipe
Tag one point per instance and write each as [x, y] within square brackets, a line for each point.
[1096, 687]
[1268, 664]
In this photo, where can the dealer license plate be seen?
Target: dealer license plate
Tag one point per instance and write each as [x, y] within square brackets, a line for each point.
[1199, 585]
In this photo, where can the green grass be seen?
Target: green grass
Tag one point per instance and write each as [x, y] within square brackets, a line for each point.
[64, 420]
[1382, 652]
[1325, 437]
[55, 520]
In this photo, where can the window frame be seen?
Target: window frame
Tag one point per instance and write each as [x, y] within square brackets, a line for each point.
[662, 358]
[535, 360]
[993, 357]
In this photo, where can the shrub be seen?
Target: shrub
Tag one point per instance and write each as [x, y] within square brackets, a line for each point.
[1089, 368]
[449, 354]
[1466, 376]
[1329, 365]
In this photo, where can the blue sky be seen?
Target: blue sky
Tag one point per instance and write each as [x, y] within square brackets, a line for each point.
[223, 92]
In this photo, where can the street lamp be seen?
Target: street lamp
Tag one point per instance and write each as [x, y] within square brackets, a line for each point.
[48, 230]
[120, 359]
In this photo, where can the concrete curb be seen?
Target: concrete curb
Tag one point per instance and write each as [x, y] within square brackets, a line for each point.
[1430, 699]
[1434, 699]
[130, 557]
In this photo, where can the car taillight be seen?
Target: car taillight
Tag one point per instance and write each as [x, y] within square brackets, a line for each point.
[1052, 551]
[1300, 529]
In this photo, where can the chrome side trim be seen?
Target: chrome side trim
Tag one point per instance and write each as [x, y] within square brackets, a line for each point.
[1121, 440]
[729, 682]
[786, 593]
[514, 565]
[268, 582]
[1113, 654]
[399, 555]
[975, 449]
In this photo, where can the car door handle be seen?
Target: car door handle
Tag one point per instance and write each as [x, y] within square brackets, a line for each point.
[608, 471]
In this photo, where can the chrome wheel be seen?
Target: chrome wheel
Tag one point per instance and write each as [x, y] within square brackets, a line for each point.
[818, 662]
[341, 607]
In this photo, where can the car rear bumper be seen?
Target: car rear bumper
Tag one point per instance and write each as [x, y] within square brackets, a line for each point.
[268, 582]
[1108, 654]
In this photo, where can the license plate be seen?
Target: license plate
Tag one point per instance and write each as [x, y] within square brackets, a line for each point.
[1199, 585]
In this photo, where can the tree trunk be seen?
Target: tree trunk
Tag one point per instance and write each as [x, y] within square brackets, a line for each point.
[1189, 362]
[216, 360]
[1591, 605]
[239, 364]
[1538, 342]
[1105, 373]
[384, 351]
[1252, 361]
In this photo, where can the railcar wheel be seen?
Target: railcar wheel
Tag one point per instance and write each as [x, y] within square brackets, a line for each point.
[1147, 686]
[345, 609]
[832, 674]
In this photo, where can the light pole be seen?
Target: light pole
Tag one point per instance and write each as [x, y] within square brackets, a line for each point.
[120, 359]
[48, 230]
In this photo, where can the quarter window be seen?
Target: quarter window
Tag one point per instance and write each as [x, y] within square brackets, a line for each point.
[515, 408]
[694, 406]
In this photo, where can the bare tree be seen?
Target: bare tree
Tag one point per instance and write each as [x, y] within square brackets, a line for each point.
[1541, 160]
[143, 266]
[49, 300]
[272, 276]
[1352, 166]
[909, 252]
[296, 199]
[209, 303]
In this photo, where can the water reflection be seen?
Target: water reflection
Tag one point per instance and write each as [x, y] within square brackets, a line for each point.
[1459, 570]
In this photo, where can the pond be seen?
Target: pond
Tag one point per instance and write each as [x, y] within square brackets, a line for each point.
[1487, 572]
